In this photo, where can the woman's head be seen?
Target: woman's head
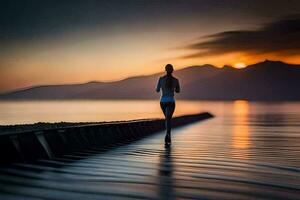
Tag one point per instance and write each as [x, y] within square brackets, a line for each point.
[169, 68]
[169, 81]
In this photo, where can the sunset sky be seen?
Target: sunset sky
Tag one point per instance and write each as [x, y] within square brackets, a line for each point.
[57, 42]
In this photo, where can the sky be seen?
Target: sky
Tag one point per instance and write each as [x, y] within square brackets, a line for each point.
[64, 42]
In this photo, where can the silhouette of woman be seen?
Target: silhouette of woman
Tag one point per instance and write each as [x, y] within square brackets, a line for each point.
[168, 84]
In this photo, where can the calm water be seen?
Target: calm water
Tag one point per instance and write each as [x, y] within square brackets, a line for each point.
[20, 112]
[248, 151]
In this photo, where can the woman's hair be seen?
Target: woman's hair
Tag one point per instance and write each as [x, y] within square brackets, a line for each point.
[169, 81]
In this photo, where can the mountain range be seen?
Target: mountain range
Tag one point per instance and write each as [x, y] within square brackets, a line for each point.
[266, 81]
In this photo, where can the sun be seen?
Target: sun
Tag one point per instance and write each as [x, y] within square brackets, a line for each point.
[240, 65]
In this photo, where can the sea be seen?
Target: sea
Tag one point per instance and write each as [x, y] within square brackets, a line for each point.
[248, 150]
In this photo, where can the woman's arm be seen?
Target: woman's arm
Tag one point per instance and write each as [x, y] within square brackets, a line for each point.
[177, 87]
[158, 86]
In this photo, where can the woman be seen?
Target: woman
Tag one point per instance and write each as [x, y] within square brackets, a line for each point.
[168, 84]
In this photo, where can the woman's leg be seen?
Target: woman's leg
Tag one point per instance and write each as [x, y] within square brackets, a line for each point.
[168, 114]
[163, 107]
[168, 110]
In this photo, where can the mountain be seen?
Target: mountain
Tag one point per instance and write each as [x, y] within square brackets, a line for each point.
[268, 80]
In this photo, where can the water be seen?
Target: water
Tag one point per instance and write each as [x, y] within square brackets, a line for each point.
[26, 112]
[20, 112]
[250, 150]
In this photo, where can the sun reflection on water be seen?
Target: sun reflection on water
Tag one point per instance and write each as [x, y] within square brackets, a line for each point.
[241, 132]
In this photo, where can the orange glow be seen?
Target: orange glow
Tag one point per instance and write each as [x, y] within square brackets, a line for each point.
[106, 60]
[241, 133]
[240, 65]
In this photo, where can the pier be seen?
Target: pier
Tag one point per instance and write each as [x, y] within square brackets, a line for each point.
[31, 145]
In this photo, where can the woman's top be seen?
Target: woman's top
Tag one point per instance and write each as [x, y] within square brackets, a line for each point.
[167, 94]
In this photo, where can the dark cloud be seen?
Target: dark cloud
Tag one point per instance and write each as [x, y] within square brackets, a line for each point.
[34, 19]
[281, 37]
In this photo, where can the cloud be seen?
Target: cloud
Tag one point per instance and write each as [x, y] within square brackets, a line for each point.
[280, 37]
